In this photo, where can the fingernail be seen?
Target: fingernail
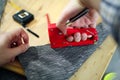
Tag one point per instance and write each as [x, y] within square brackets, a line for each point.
[77, 37]
[70, 38]
[84, 36]
[89, 36]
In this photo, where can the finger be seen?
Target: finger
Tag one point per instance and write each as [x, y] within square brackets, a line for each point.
[82, 22]
[18, 36]
[93, 13]
[84, 36]
[77, 37]
[89, 36]
[18, 50]
[87, 21]
[86, 26]
[70, 38]
[13, 35]
[71, 10]
[10, 38]
[16, 41]
[92, 25]
[25, 37]
[79, 23]
[13, 59]
[21, 35]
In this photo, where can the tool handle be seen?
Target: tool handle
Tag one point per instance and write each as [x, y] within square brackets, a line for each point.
[80, 14]
[33, 33]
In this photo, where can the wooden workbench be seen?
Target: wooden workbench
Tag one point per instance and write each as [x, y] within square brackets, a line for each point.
[93, 68]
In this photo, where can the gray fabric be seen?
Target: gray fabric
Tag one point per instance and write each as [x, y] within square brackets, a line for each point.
[45, 63]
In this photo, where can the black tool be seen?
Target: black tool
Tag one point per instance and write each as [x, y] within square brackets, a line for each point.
[33, 33]
[80, 14]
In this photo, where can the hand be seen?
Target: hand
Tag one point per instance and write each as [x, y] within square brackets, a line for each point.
[12, 44]
[89, 20]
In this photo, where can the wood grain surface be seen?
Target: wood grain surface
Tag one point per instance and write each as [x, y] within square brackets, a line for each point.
[93, 68]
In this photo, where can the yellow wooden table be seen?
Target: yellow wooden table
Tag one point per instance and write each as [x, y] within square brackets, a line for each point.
[95, 65]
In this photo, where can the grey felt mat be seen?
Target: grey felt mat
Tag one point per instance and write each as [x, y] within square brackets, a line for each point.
[45, 63]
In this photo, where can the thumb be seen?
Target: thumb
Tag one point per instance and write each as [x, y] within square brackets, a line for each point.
[20, 49]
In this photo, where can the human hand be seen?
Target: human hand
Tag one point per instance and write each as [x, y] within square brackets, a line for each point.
[88, 20]
[12, 44]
